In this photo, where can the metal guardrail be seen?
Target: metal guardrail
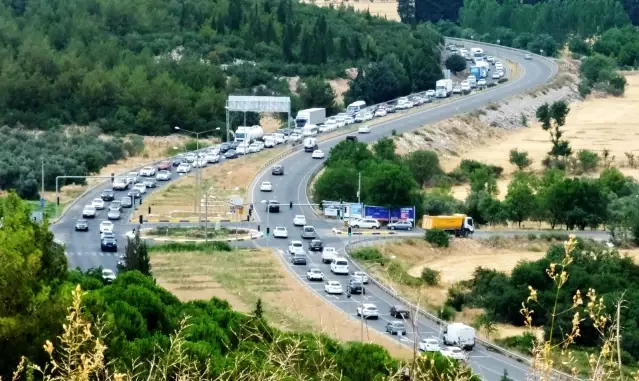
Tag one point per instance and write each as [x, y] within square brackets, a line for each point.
[489, 345]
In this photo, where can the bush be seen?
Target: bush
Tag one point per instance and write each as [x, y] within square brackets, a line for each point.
[502, 80]
[192, 246]
[588, 160]
[437, 237]
[446, 313]
[431, 277]
[398, 274]
[492, 84]
[369, 254]
[456, 298]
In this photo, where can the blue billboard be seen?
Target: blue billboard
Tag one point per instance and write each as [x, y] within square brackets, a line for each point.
[376, 212]
[405, 213]
[382, 213]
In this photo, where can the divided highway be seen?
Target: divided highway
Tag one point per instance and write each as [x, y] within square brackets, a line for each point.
[83, 249]
[300, 166]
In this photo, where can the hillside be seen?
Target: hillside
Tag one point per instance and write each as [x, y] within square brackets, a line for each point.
[145, 67]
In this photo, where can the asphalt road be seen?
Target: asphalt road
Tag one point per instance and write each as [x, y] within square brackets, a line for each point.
[83, 249]
[299, 167]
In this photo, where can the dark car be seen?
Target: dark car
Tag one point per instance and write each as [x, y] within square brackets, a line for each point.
[273, 206]
[299, 259]
[107, 195]
[396, 327]
[278, 170]
[355, 287]
[109, 244]
[225, 147]
[82, 225]
[126, 202]
[234, 145]
[164, 166]
[390, 108]
[399, 311]
[315, 245]
[177, 161]
[231, 154]
[134, 193]
[352, 138]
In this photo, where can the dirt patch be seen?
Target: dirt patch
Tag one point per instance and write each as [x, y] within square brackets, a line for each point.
[590, 125]
[243, 276]
[381, 8]
[339, 86]
[270, 123]
[228, 179]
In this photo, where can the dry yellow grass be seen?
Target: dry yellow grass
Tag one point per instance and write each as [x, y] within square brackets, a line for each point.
[230, 178]
[596, 124]
[243, 276]
[381, 8]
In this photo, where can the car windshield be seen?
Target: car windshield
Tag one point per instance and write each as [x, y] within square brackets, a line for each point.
[82, 221]
[341, 263]
[308, 230]
[297, 244]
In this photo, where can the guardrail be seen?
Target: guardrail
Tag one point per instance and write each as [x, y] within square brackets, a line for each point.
[489, 345]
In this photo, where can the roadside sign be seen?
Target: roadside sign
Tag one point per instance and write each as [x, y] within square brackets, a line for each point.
[41, 203]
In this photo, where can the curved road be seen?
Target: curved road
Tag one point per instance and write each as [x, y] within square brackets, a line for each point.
[300, 166]
[83, 249]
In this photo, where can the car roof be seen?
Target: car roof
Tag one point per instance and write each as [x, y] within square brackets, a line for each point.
[315, 269]
[369, 305]
[333, 282]
[280, 227]
[295, 242]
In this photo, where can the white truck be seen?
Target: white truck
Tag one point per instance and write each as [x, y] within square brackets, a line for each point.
[310, 144]
[248, 135]
[476, 52]
[443, 88]
[459, 335]
[310, 116]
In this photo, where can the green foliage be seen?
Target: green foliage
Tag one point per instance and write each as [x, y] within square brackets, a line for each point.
[437, 237]
[441, 201]
[79, 153]
[579, 46]
[316, 92]
[520, 159]
[369, 254]
[424, 165]
[455, 63]
[598, 72]
[431, 277]
[446, 312]
[136, 256]
[258, 312]
[588, 161]
[176, 247]
[520, 202]
[552, 119]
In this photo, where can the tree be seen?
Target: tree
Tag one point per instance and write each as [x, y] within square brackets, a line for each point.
[389, 184]
[317, 92]
[520, 159]
[259, 310]
[455, 63]
[136, 256]
[337, 183]
[384, 150]
[519, 205]
[424, 165]
[355, 153]
[553, 118]
[406, 11]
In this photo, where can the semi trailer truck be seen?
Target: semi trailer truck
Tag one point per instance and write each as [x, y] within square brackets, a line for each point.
[458, 224]
[310, 116]
[443, 88]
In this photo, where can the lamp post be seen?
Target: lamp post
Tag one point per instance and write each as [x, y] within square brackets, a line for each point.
[197, 172]
[268, 212]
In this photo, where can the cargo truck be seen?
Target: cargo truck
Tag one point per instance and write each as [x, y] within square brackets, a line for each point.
[310, 116]
[459, 224]
[248, 135]
[459, 335]
[478, 72]
[443, 88]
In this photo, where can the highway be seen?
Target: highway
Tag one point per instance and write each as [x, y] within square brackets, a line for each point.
[83, 249]
[293, 187]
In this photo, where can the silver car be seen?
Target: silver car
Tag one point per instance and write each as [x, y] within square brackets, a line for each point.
[163, 176]
[308, 232]
[114, 214]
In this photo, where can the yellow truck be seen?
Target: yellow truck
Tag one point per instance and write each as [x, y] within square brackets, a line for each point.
[458, 224]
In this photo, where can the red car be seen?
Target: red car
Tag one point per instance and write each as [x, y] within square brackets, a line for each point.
[166, 166]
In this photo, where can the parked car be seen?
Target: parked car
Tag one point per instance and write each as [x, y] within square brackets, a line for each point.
[366, 223]
[400, 225]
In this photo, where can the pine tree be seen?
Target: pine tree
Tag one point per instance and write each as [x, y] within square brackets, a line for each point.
[287, 43]
[259, 310]
[357, 47]
[344, 49]
[136, 256]
[282, 12]
[235, 14]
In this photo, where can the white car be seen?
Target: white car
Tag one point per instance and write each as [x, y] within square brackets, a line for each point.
[457, 90]
[368, 310]
[270, 142]
[528, 56]
[359, 117]
[429, 345]
[163, 176]
[340, 121]
[280, 138]
[465, 87]
[339, 266]
[280, 232]
[296, 247]
[496, 75]
[147, 171]
[317, 154]
[314, 274]
[349, 120]
[499, 66]
[200, 163]
[490, 59]
[501, 73]
[108, 275]
[98, 203]
[329, 254]
[381, 112]
[295, 137]
[88, 211]
[481, 83]
[254, 148]
[368, 116]
[183, 168]
[364, 130]
[266, 186]
[333, 287]
[212, 158]
[299, 220]
[361, 276]
[106, 226]
[453, 352]
[366, 223]
[431, 93]
[330, 125]
[140, 187]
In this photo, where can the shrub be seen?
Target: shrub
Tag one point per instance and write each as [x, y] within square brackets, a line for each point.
[492, 84]
[456, 298]
[446, 313]
[588, 160]
[502, 80]
[437, 237]
[430, 276]
[192, 246]
[398, 274]
[369, 254]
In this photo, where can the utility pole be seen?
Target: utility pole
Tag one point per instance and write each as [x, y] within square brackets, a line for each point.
[42, 184]
[359, 188]
[206, 214]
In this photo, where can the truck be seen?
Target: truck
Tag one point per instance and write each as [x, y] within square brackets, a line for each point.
[476, 52]
[310, 116]
[248, 135]
[478, 72]
[443, 88]
[459, 335]
[310, 144]
[458, 224]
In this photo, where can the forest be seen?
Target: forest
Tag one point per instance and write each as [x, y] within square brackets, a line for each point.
[133, 327]
[146, 66]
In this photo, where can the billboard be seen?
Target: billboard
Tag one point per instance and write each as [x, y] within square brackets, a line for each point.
[405, 213]
[377, 212]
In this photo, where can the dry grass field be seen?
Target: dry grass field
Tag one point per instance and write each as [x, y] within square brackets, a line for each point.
[381, 8]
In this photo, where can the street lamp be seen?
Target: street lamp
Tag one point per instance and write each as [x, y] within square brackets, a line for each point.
[268, 212]
[198, 170]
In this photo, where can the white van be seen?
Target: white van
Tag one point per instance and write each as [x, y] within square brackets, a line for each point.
[310, 144]
[339, 266]
[310, 130]
[356, 107]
